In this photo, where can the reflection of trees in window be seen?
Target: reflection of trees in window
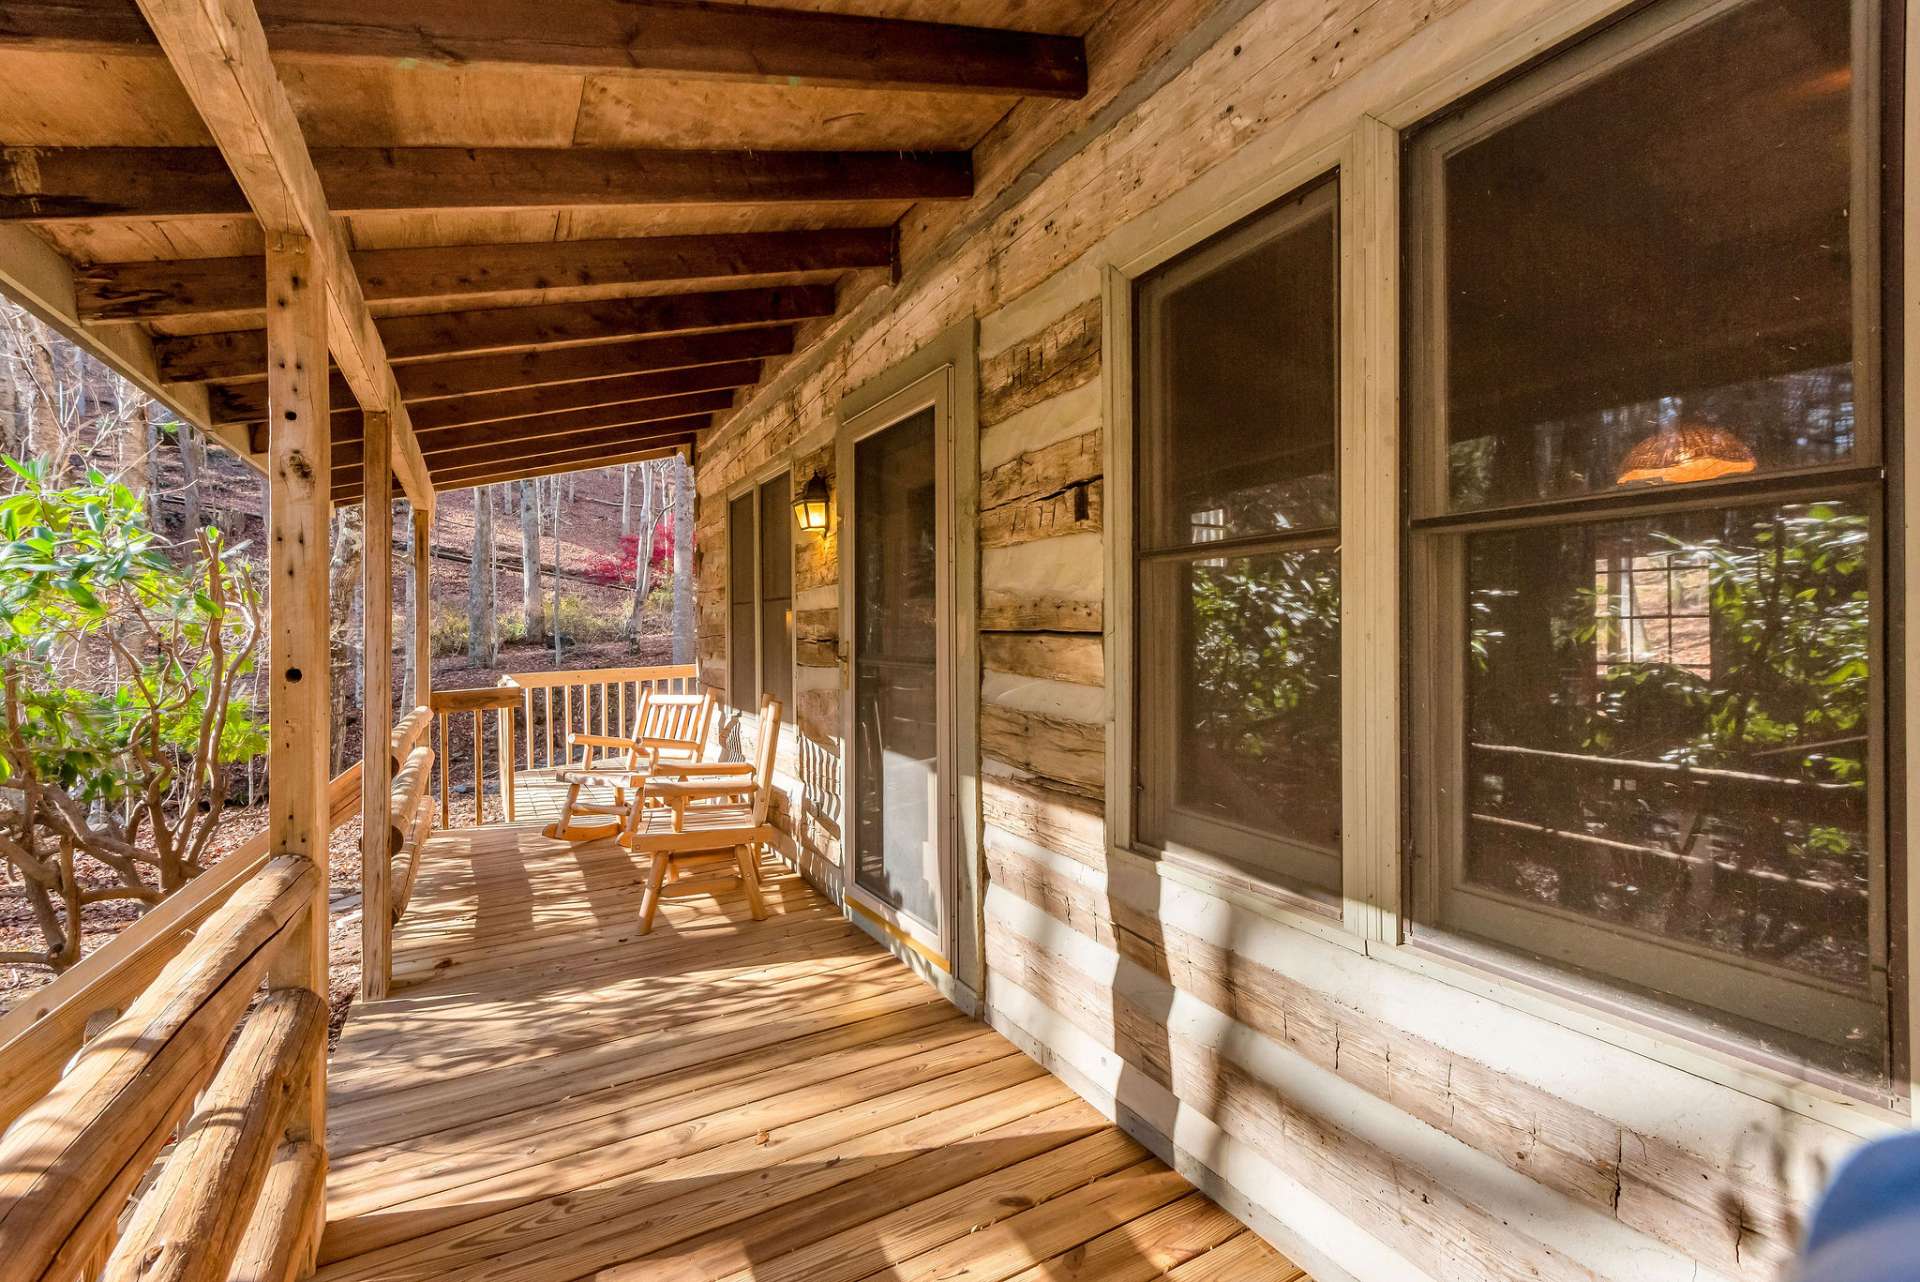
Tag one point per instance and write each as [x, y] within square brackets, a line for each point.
[1722, 801]
[1262, 687]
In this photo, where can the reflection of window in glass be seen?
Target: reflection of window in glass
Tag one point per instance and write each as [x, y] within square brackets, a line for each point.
[1648, 755]
[760, 595]
[1652, 608]
[743, 689]
[1238, 596]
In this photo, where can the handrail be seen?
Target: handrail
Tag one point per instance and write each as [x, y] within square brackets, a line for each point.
[410, 799]
[40, 1035]
[589, 676]
[71, 1160]
[407, 732]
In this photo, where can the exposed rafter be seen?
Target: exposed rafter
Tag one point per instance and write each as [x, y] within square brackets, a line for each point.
[220, 54]
[555, 398]
[657, 37]
[196, 286]
[347, 449]
[247, 402]
[55, 184]
[347, 488]
[242, 354]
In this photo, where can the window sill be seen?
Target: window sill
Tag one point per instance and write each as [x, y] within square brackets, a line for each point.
[1219, 881]
[1858, 1111]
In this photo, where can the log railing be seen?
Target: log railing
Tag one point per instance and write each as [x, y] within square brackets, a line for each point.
[134, 1049]
[585, 700]
[40, 1035]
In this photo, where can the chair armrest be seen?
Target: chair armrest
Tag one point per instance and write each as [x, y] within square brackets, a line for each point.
[689, 769]
[695, 791]
[577, 739]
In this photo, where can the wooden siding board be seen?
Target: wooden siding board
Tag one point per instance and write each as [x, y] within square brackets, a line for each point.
[1058, 359]
[1732, 1215]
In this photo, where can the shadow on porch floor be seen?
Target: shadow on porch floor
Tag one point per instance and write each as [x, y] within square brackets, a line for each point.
[548, 1095]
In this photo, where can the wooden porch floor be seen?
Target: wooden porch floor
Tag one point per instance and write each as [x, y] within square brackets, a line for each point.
[548, 1095]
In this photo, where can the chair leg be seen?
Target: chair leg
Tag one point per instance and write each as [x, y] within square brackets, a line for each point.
[558, 830]
[748, 858]
[650, 901]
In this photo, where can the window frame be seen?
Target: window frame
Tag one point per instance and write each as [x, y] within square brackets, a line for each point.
[1446, 912]
[1186, 835]
[750, 489]
[1359, 129]
[1361, 164]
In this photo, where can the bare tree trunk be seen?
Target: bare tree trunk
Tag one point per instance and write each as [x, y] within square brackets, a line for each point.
[135, 443]
[626, 500]
[45, 435]
[192, 455]
[648, 519]
[483, 642]
[343, 583]
[13, 410]
[553, 502]
[682, 561]
[531, 605]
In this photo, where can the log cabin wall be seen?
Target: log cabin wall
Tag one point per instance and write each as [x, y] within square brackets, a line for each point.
[1376, 1118]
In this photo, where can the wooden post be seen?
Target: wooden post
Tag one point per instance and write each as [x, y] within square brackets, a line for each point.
[298, 654]
[376, 711]
[422, 607]
[505, 723]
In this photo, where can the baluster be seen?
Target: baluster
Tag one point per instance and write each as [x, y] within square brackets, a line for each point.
[479, 769]
[547, 729]
[446, 768]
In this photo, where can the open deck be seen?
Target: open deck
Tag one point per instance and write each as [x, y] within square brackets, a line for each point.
[548, 1095]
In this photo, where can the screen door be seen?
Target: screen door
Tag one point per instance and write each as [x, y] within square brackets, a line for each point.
[900, 578]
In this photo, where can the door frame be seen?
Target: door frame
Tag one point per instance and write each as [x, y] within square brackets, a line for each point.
[942, 376]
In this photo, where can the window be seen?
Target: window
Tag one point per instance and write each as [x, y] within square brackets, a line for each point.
[760, 595]
[1236, 557]
[776, 590]
[1647, 528]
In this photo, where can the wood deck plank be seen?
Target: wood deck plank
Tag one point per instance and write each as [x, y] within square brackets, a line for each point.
[548, 1095]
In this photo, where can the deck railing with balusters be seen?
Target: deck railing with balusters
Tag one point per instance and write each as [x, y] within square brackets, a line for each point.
[586, 701]
[534, 713]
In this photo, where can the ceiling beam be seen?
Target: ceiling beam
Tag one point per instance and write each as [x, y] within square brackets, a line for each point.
[585, 458]
[40, 280]
[196, 286]
[494, 475]
[605, 440]
[639, 37]
[553, 398]
[218, 51]
[242, 354]
[58, 184]
[247, 402]
[348, 450]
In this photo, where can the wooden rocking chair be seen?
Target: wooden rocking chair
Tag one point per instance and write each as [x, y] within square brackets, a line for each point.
[707, 813]
[667, 728]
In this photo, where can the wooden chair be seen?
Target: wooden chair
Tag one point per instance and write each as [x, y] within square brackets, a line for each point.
[667, 728]
[707, 813]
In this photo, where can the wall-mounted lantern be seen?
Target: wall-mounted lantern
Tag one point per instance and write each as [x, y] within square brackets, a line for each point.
[810, 508]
